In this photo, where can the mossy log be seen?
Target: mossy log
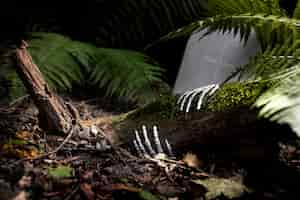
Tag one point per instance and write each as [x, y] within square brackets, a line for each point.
[221, 134]
[233, 131]
[236, 134]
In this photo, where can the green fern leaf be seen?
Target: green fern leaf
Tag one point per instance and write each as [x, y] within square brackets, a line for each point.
[273, 60]
[270, 29]
[296, 13]
[63, 62]
[136, 23]
[125, 72]
[281, 103]
[237, 7]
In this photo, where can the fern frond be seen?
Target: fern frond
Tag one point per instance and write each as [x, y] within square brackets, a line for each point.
[281, 103]
[64, 62]
[274, 59]
[270, 29]
[52, 53]
[127, 73]
[237, 7]
[296, 14]
[133, 24]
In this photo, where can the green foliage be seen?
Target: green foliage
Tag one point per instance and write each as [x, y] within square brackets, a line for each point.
[277, 64]
[126, 73]
[220, 187]
[140, 22]
[8, 74]
[296, 14]
[63, 62]
[265, 17]
[281, 103]
[161, 109]
[60, 172]
[53, 54]
[233, 95]
[234, 7]
[274, 59]
[143, 194]
[270, 29]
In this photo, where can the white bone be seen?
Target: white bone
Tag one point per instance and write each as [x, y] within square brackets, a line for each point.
[147, 141]
[138, 149]
[185, 96]
[156, 140]
[191, 100]
[200, 101]
[214, 89]
[139, 142]
[169, 148]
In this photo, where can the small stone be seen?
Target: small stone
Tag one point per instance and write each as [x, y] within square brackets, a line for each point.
[84, 133]
[90, 146]
[48, 161]
[73, 142]
[99, 146]
[83, 142]
[105, 145]
[94, 130]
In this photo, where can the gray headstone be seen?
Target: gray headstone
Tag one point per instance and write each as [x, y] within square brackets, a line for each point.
[212, 59]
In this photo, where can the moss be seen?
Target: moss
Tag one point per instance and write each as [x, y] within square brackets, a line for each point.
[163, 108]
[233, 95]
[230, 96]
[149, 115]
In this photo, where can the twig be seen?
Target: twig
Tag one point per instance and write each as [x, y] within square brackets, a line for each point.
[13, 103]
[51, 152]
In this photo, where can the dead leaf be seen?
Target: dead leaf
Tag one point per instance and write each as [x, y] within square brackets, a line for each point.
[24, 135]
[19, 149]
[192, 160]
[221, 186]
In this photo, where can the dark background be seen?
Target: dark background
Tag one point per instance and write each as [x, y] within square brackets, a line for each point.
[81, 21]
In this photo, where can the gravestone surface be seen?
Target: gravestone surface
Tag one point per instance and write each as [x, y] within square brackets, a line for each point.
[212, 59]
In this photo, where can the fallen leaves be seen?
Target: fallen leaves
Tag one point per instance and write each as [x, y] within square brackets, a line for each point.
[221, 186]
[19, 149]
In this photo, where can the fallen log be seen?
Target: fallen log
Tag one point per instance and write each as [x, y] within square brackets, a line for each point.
[222, 139]
[236, 134]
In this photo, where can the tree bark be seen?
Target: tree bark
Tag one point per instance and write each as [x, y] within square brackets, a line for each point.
[54, 114]
[235, 134]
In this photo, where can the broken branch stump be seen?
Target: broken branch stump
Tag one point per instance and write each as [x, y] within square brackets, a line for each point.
[54, 115]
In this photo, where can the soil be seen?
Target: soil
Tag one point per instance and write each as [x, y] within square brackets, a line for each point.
[85, 172]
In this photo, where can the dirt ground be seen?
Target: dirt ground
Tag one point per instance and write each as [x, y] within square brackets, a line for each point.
[81, 171]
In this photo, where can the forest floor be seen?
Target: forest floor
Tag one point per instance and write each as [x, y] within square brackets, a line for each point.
[85, 172]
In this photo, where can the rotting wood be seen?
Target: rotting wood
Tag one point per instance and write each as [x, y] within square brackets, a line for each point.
[54, 114]
[235, 134]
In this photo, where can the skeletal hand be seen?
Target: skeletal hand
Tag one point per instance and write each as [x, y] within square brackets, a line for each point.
[145, 149]
[188, 97]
